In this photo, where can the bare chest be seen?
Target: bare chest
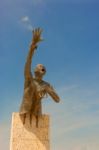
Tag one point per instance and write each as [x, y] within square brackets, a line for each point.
[40, 89]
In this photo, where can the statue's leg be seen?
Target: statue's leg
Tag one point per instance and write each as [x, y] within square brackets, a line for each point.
[30, 118]
[38, 113]
[24, 117]
[37, 120]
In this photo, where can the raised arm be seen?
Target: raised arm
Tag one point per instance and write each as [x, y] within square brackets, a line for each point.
[52, 93]
[35, 40]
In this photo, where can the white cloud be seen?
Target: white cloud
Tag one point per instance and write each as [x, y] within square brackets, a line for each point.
[29, 27]
[25, 19]
[27, 23]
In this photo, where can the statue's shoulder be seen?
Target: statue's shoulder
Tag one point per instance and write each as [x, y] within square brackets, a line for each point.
[45, 83]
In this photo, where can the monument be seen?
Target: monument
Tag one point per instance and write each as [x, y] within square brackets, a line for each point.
[30, 128]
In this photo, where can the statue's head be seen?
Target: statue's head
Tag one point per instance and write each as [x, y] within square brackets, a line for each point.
[39, 71]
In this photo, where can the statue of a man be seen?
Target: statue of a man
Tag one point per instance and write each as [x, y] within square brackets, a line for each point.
[35, 88]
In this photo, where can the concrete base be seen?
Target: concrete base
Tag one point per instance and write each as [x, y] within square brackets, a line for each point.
[28, 136]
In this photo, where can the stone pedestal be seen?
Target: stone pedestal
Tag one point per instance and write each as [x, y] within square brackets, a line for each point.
[28, 136]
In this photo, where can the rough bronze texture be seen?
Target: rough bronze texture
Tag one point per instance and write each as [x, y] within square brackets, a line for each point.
[35, 88]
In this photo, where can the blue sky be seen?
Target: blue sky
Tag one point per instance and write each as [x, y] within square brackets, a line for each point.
[70, 53]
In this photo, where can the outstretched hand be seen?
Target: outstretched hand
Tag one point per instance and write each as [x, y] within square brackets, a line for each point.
[37, 36]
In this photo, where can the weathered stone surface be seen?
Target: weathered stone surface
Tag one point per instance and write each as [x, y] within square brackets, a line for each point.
[28, 136]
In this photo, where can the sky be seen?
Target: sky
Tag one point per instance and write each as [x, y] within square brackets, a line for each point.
[70, 53]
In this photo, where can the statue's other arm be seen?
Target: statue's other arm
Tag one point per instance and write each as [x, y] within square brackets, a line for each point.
[35, 40]
[52, 93]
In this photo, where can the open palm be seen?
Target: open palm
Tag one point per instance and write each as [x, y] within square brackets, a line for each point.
[37, 35]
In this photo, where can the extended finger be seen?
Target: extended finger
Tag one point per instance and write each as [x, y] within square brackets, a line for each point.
[40, 31]
[36, 31]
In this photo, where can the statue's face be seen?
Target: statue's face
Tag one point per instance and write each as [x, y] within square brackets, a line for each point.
[40, 70]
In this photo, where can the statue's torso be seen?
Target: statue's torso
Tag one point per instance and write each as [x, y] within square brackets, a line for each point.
[34, 91]
[36, 88]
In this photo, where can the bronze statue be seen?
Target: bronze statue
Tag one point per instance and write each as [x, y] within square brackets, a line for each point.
[34, 87]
